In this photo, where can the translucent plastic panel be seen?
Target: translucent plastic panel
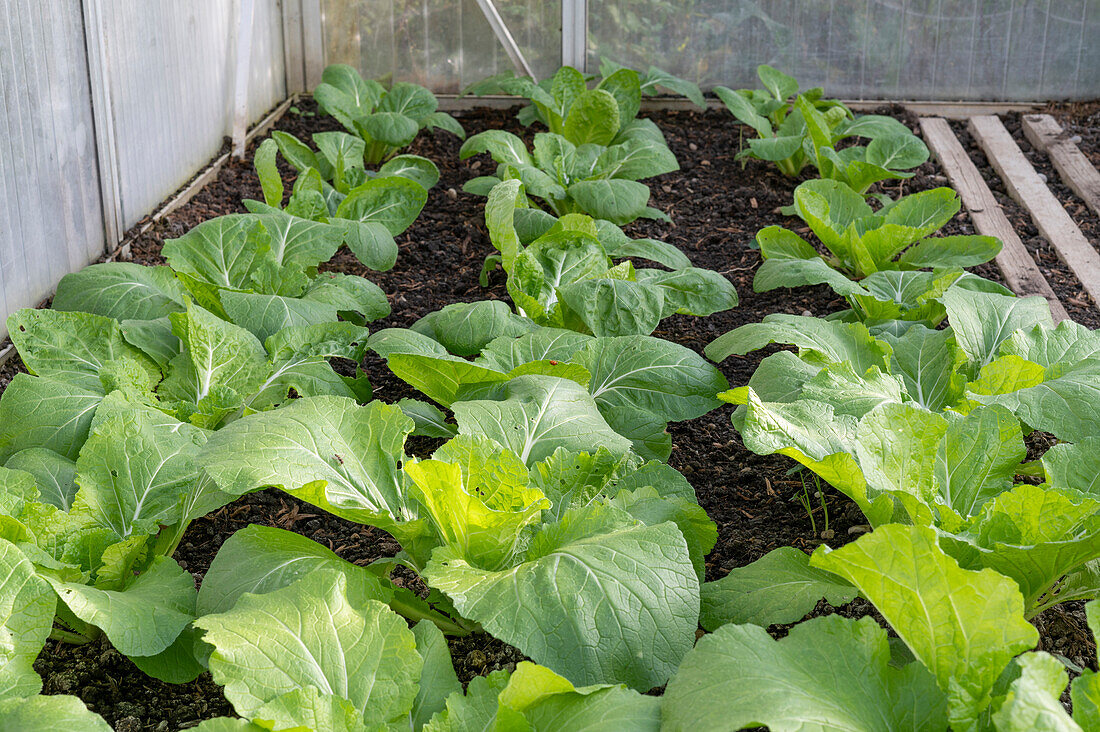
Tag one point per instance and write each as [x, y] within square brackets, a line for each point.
[442, 44]
[870, 49]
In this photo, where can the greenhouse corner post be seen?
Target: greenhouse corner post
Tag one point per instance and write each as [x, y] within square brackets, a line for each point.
[574, 34]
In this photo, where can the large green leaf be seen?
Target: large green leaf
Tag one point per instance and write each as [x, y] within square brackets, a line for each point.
[927, 362]
[466, 328]
[625, 86]
[73, 346]
[221, 251]
[982, 321]
[829, 673]
[217, 355]
[265, 315]
[503, 147]
[44, 412]
[145, 617]
[1067, 406]
[294, 241]
[392, 201]
[614, 307]
[27, 604]
[120, 290]
[262, 559]
[326, 450]
[671, 382]
[618, 200]
[134, 468]
[54, 474]
[599, 599]
[55, 713]
[780, 587]
[963, 626]
[535, 415]
[322, 632]
[593, 117]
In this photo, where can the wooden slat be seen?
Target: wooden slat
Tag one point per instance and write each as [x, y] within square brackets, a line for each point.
[1075, 169]
[1029, 190]
[1015, 262]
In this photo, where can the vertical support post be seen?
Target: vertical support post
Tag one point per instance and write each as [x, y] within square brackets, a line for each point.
[292, 47]
[240, 82]
[574, 34]
[103, 120]
[313, 46]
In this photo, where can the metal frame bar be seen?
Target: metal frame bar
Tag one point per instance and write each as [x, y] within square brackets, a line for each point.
[103, 120]
[574, 34]
[489, 10]
[243, 53]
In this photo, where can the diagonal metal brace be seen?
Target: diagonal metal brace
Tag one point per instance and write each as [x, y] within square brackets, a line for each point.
[489, 10]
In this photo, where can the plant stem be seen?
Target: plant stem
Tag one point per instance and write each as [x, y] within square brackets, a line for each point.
[67, 636]
[448, 626]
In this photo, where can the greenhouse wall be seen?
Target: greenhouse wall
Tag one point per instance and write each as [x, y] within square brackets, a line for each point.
[108, 106]
[977, 50]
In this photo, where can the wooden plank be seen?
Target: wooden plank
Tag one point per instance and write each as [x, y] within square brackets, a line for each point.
[1075, 169]
[1015, 262]
[1029, 190]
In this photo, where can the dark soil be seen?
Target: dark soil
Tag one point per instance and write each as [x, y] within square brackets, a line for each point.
[717, 206]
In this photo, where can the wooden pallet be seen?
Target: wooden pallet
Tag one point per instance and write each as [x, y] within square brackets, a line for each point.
[1015, 262]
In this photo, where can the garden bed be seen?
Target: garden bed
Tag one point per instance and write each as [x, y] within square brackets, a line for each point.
[717, 207]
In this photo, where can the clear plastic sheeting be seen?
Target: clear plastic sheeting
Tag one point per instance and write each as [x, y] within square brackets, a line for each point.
[443, 44]
[1002, 50]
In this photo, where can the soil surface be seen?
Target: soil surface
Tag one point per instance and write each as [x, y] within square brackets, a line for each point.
[717, 206]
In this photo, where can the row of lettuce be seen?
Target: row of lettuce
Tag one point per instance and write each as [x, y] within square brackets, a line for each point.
[549, 518]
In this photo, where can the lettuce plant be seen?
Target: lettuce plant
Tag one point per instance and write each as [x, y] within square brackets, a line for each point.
[930, 600]
[531, 223]
[897, 423]
[565, 277]
[368, 208]
[330, 675]
[86, 543]
[961, 630]
[777, 119]
[258, 271]
[861, 242]
[600, 179]
[798, 129]
[606, 114]
[385, 120]
[638, 384]
[511, 539]
[191, 365]
[339, 161]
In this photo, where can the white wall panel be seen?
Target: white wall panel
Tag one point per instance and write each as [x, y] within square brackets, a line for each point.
[51, 219]
[123, 98]
[170, 69]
